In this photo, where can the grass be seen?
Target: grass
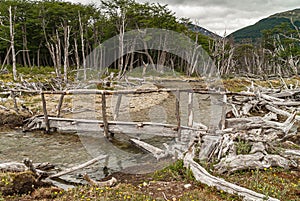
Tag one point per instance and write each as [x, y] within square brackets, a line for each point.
[166, 184]
[243, 147]
[175, 171]
[274, 182]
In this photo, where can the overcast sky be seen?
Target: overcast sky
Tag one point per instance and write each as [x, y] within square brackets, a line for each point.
[219, 16]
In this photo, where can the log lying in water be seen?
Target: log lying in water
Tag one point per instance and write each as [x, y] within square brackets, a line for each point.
[148, 147]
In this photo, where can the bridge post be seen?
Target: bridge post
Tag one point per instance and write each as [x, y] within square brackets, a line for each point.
[190, 110]
[46, 120]
[177, 111]
[60, 104]
[104, 117]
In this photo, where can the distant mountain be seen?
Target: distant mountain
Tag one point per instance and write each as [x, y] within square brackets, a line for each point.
[254, 32]
[203, 31]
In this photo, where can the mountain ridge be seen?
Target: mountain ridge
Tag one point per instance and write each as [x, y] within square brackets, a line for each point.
[253, 33]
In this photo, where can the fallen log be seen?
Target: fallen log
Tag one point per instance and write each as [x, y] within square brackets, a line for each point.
[13, 167]
[112, 182]
[252, 161]
[203, 176]
[292, 152]
[281, 112]
[148, 148]
[69, 170]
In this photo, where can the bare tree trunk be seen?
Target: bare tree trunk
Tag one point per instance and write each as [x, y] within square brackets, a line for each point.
[12, 44]
[6, 57]
[58, 54]
[82, 46]
[76, 55]
[66, 51]
[121, 45]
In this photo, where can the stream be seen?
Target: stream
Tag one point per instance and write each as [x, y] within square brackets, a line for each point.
[66, 150]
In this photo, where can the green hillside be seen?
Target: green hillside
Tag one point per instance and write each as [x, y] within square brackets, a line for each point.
[254, 32]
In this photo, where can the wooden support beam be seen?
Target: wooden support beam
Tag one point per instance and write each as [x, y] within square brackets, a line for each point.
[139, 91]
[104, 117]
[117, 108]
[46, 120]
[61, 99]
[177, 113]
[224, 109]
[190, 110]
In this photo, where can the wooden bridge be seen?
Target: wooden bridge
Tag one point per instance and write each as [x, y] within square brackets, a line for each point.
[110, 127]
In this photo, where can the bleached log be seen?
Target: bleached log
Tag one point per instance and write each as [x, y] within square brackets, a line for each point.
[112, 182]
[203, 176]
[286, 94]
[281, 112]
[292, 152]
[13, 167]
[209, 144]
[271, 98]
[259, 122]
[270, 116]
[69, 170]
[4, 108]
[287, 103]
[258, 147]
[252, 161]
[286, 126]
[148, 147]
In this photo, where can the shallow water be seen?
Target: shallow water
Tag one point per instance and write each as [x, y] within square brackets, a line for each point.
[66, 150]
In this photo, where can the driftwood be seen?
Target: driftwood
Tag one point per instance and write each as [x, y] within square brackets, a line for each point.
[112, 182]
[252, 161]
[148, 148]
[27, 165]
[252, 117]
[13, 167]
[204, 177]
[69, 170]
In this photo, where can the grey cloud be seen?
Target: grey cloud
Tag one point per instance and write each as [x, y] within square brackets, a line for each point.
[218, 15]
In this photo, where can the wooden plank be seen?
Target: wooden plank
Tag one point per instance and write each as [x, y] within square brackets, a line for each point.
[149, 128]
[140, 91]
[46, 120]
